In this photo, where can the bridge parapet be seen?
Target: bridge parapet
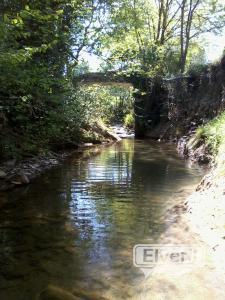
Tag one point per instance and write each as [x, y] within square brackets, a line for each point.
[108, 78]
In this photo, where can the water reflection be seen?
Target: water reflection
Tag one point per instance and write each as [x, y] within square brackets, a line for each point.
[76, 225]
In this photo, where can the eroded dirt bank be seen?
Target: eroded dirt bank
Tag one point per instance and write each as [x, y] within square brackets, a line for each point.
[205, 208]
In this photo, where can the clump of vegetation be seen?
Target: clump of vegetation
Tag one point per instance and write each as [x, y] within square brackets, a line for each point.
[129, 121]
[69, 123]
[213, 135]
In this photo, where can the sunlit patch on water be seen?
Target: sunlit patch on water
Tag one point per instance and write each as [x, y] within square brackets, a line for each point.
[76, 226]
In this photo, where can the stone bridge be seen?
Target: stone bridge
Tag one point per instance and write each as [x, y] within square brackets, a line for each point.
[166, 108]
[107, 78]
[144, 108]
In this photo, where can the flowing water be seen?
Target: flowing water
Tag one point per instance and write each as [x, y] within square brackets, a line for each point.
[76, 225]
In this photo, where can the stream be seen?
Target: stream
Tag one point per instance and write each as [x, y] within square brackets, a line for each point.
[76, 225]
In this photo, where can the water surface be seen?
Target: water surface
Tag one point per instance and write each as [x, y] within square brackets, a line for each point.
[76, 225]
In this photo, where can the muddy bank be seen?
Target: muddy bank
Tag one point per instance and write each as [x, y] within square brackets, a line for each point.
[19, 173]
[15, 173]
[194, 150]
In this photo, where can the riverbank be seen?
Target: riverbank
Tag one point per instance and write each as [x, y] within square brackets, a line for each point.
[197, 219]
[15, 173]
[206, 206]
[197, 281]
[205, 215]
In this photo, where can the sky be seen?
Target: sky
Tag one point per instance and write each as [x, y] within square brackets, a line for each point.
[93, 60]
[215, 47]
[215, 44]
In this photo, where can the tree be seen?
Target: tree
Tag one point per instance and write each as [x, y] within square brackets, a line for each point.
[198, 17]
[143, 35]
[40, 43]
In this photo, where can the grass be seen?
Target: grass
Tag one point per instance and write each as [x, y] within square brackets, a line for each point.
[213, 135]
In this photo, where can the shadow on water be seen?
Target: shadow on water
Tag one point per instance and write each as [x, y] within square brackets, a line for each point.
[75, 227]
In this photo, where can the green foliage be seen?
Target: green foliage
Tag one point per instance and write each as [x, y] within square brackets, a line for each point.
[108, 103]
[157, 37]
[40, 43]
[81, 68]
[196, 60]
[213, 133]
[129, 121]
[40, 46]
